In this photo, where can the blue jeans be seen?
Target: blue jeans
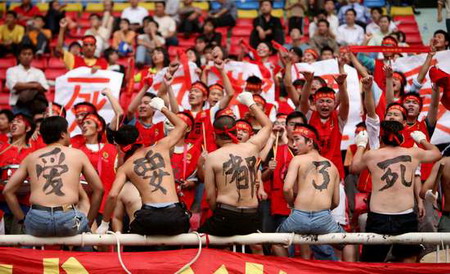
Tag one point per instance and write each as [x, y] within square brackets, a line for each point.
[316, 222]
[43, 223]
[143, 55]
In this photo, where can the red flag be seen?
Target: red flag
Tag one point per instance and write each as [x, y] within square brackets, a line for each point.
[441, 79]
[278, 46]
[185, 62]
[413, 49]
[130, 74]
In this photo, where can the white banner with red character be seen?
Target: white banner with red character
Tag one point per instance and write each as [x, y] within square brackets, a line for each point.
[410, 67]
[329, 69]
[80, 85]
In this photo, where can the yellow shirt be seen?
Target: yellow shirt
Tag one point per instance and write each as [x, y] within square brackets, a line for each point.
[69, 60]
[15, 35]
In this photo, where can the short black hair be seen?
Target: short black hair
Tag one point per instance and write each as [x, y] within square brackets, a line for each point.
[127, 135]
[323, 21]
[24, 47]
[391, 133]
[211, 21]
[225, 122]
[8, 113]
[400, 105]
[262, 1]
[296, 114]
[321, 80]
[387, 17]
[149, 94]
[13, 13]
[108, 52]
[297, 51]
[443, 32]
[63, 109]
[254, 80]
[52, 128]
[361, 124]
[74, 43]
[326, 48]
[380, 11]
[351, 10]
[95, 15]
[125, 20]
[160, 2]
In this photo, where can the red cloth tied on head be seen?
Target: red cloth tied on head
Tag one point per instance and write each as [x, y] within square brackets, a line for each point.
[225, 111]
[313, 52]
[399, 76]
[441, 79]
[240, 125]
[259, 99]
[413, 98]
[57, 110]
[282, 116]
[389, 41]
[229, 132]
[253, 87]
[89, 39]
[397, 107]
[305, 132]
[200, 87]
[84, 109]
[324, 95]
[216, 86]
[126, 148]
[24, 119]
[95, 119]
[391, 136]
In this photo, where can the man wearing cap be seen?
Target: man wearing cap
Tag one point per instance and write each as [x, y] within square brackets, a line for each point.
[230, 175]
[88, 50]
[316, 180]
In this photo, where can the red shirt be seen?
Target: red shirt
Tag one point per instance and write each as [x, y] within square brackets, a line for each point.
[77, 141]
[33, 11]
[80, 62]
[279, 205]
[38, 143]
[150, 135]
[330, 138]
[4, 138]
[203, 120]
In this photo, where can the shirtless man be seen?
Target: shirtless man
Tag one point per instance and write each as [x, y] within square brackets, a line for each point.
[54, 176]
[392, 200]
[230, 175]
[316, 180]
[129, 201]
[150, 171]
[430, 187]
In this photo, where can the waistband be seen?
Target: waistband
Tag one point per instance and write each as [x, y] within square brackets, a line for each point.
[160, 205]
[237, 209]
[408, 211]
[320, 212]
[63, 208]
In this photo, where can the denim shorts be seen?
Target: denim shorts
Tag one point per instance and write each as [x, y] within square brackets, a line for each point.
[314, 222]
[43, 223]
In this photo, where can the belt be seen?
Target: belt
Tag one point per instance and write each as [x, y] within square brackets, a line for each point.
[63, 208]
[237, 209]
[446, 213]
[144, 206]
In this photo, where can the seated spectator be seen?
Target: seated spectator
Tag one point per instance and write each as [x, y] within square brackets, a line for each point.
[27, 85]
[6, 117]
[384, 30]
[225, 15]
[37, 36]
[26, 12]
[172, 7]
[362, 14]
[11, 34]
[189, 18]
[296, 11]
[209, 35]
[326, 53]
[147, 42]
[193, 56]
[323, 37]
[87, 59]
[266, 27]
[350, 33]
[200, 45]
[330, 11]
[375, 14]
[101, 30]
[124, 38]
[135, 14]
[167, 26]
[112, 56]
[296, 37]
[54, 14]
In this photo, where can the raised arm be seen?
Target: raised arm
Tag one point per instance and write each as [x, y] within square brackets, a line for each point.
[358, 66]
[291, 90]
[433, 108]
[430, 153]
[179, 125]
[359, 162]
[289, 181]
[229, 90]
[341, 80]
[132, 107]
[118, 111]
[426, 64]
[93, 180]
[306, 91]
[259, 139]
[369, 103]
[62, 29]
[14, 183]
[388, 73]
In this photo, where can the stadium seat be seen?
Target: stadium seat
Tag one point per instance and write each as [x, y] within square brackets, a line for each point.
[173, 50]
[13, 5]
[147, 6]
[7, 62]
[247, 13]
[244, 22]
[43, 7]
[240, 31]
[186, 43]
[405, 19]
[55, 63]
[40, 63]
[2, 7]
[201, 5]
[2, 74]
[401, 11]
[247, 5]
[278, 5]
[84, 23]
[125, 61]
[415, 39]
[278, 13]
[409, 28]
[50, 94]
[94, 7]
[75, 7]
[215, 5]
[52, 74]
[374, 3]
[4, 99]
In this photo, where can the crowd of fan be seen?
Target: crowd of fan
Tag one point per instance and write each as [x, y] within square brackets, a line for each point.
[28, 33]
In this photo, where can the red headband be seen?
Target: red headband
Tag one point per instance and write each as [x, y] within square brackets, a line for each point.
[216, 86]
[305, 132]
[389, 42]
[89, 40]
[245, 127]
[282, 116]
[391, 137]
[84, 108]
[25, 120]
[94, 117]
[253, 87]
[399, 77]
[397, 107]
[324, 95]
[413, 98]
[227, 131]
[259, 99]
[359, 129]
[225, 111]
[201, 88]
[126, 148]
[57, 110]
[313, 52]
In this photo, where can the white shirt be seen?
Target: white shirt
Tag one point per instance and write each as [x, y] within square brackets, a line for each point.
[166, 25]
[373, 27]
[19, 74]
[134, 15]
[334, 24]
[350, 35]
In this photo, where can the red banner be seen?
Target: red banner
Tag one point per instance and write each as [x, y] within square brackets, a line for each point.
[15, 260]
[412, 49]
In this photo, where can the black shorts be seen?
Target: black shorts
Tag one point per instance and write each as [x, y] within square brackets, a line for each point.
[225, 222]
[390, 225]
[170, 220]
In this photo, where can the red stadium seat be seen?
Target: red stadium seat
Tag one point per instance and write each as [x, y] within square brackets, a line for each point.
[186, 43]
[40, 63]
[84, 23]
[52, 74]
[405, 19]
[244, 22]
[414, 39]
[4, 99]
[2, 75]
[7, 62]
[124, 61]
[409, 28]
[241, 31]
[56, 63]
